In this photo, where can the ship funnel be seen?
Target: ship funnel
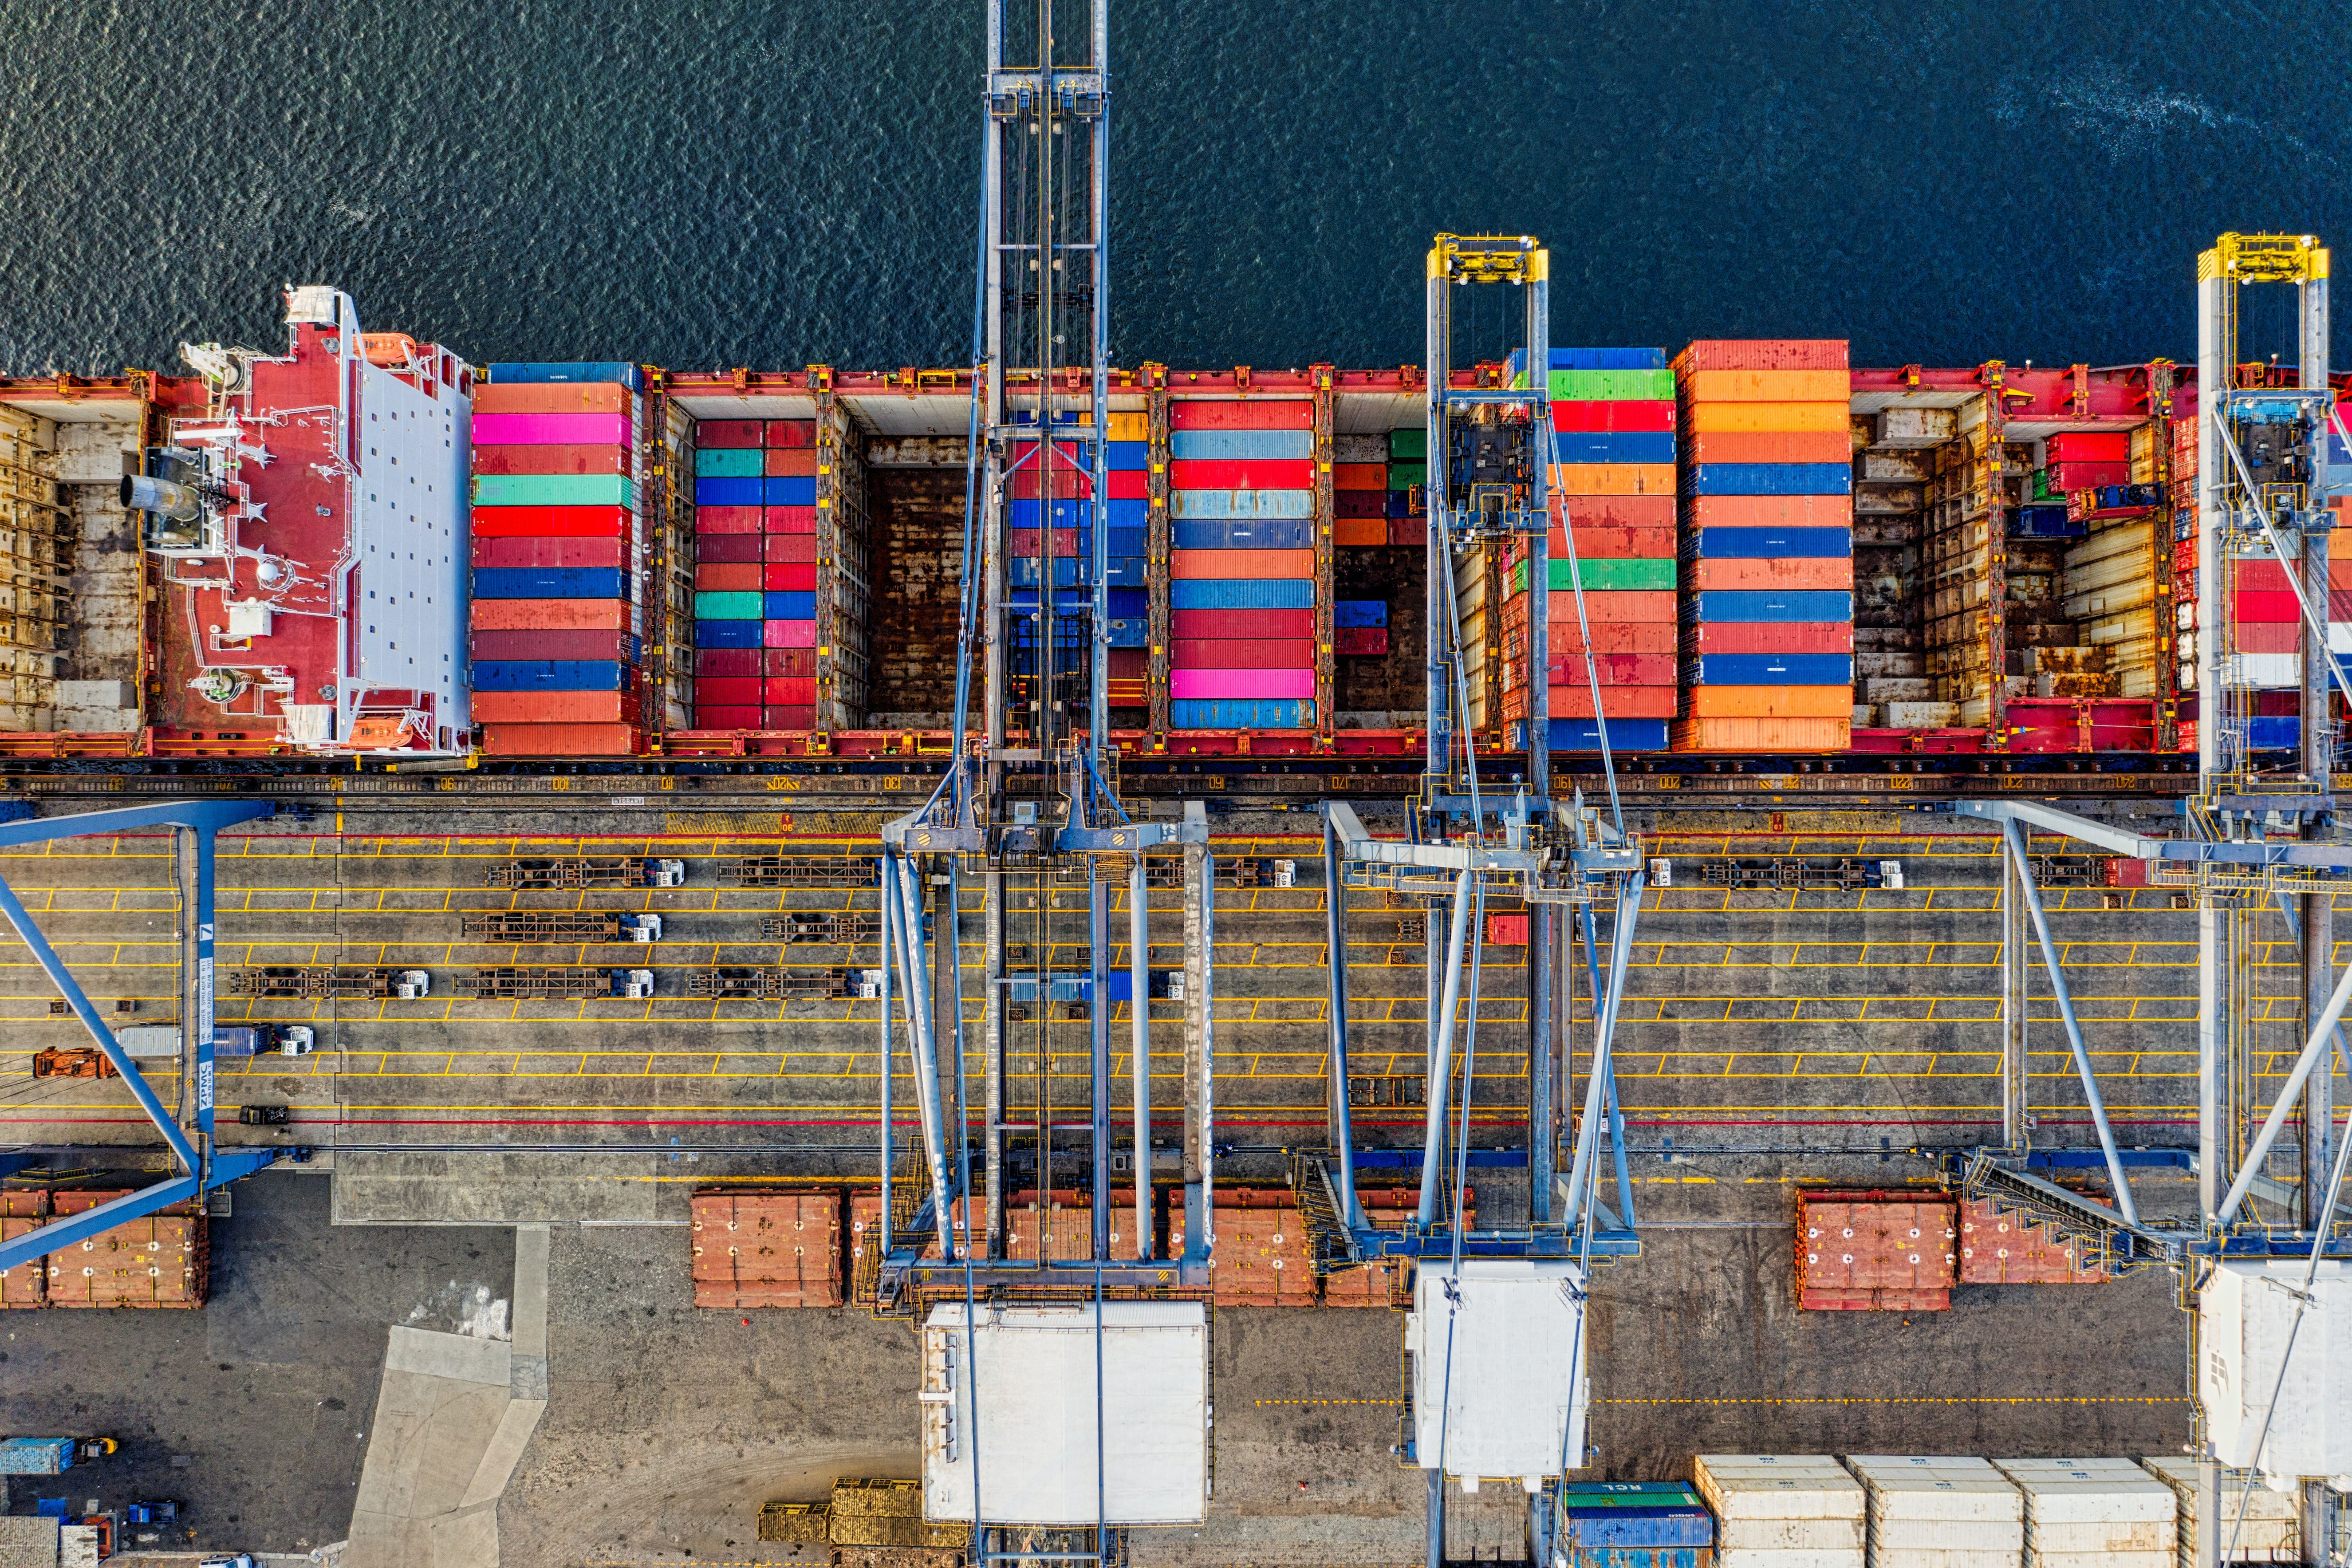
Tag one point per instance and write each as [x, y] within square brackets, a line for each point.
[178, 503]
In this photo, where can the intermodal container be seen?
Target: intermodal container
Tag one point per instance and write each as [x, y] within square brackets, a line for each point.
[1768, 511]
[554, 707]
[1217, 622]
[1770, 447]
[1702, 577]
[1241, 473]
[1623, 414]
[1243, 534]
[1606, 606]
[789, 491]
[1229, 594]
[552, 491]
[550, 582]
[492, 399]
[1766, 544]
[1763, 734]
[1187, 413]
[736, 433]
[1240, 503]
[1360, 613]
[1240, 563]
[1771, 479]
[1241, 653]
[1612, 637]
[1624, 735]
[547, 675]
[728, 492]
[592, 372]
[1616, 668]
[550, 615]
[1767, 385]
[1607, 573]
[1612, 447]
[550, 522]
[792, 462]
[1610, 386]
[1616, 702]
[500, 552]
[1234, 445]
[1240, 683]
[613, 459]
[1763, 353]
[1604, 479]
[567, 644]
[1756, 607]
[1707, 418]
[1616, 511]
[729, 463]
[563, 740]
[1263, 714]
[1769, 703]
[1771, 669]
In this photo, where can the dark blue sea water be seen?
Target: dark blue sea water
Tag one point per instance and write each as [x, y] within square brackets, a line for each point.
[768, 183]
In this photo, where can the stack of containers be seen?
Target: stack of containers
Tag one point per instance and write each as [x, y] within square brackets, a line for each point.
[1778, 1511]
[1768, 547]
[1408, 477]
[2094, 1513]
[1620, 1524]
[2267, 1525]
[755, 575]
[1612, 496]
[557, 549]
[1128, 456]
[1359, 490]
[1241, 506]
[1936, 1511]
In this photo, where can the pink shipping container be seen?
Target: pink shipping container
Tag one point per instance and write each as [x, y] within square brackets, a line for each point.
[550, 429]
[788, 633]
[1184, 684]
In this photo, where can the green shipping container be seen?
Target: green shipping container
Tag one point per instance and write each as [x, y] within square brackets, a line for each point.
[729, 463]
[1410, 446]
[1608, 575]
[551, 489]
[2042, 486]
[728, 606]
[1404, 476]
[1608, 386]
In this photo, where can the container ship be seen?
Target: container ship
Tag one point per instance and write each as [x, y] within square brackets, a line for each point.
[368, 546]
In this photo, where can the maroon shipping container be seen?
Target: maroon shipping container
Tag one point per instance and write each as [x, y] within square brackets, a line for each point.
[791, 547]
[790, 520]
[708, 716]
[1241, 623]
[603, 647]
[1240, 414]
[727, 519]
[1360, 641]
[495, 551]
[2068, 478]
[732, 433]
[790, 433]
[726, 662]
[1244, 474]
[1414, 529]
[1242, 653]
[788, 718]
[777, 663]
[1359, 503]
[1618, 670]
[727, 691]
[1024, 541]
[728, 547]
[553, 460]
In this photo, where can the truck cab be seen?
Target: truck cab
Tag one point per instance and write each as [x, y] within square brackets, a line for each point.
[665, 873]
[641, 928]
[633, 983]
[412, 985]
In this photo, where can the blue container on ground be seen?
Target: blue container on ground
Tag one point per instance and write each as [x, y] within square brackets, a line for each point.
[507, 372]
[1243, 534]
[799, 606]
[1757, 605]
[1641, 1527]
[549, 675]
[1769, 543]
[786, 490]
[1229, 504]
[1213, 446]
[1768, 670]
[550, 582]
[729, 491]
[727, 634]
[1771, 479]
[1360, 613]
[1241, 713]
[1612, 447]
[1241, 594]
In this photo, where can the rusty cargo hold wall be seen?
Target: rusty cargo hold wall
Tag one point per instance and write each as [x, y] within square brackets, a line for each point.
[669, 568]
[1155, 378]
[844, 577]
[1325, 562]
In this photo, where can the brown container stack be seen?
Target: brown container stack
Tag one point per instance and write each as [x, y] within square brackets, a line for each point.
[767, 1249]
[25, 1285]
[2012, 1250]
[1383, 1284]
[1875, 1251]
[1262, 1257]
[163, 1259]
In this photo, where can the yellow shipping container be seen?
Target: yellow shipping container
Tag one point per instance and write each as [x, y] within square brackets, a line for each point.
[1766, 385]
[1135, 426]
[1614, 478]
[1709, 418]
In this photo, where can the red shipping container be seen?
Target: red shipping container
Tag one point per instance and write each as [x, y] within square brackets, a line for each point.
[1616, 668]
[1612, 605]
[1763, 353]
[788, 691]
[727, 519]
[553, 460]
[1360, 477]
[2269, 636]
[2184, 558]
[728, 547]
[1507, 930]
[1597, 541]
[551, 397]
[2068, 478]
[720, 692]
[1125, 484]
[554, 708]
[1616, 702]
[1768, 446]
[1615, 416]
[1245, 565]
[2122, 724]
[1360, 641]
[2277, 605]
[1240, 414]
[2269, 576]
[1614, 511]
[777, 663]
[1767, 512]
[728, 432]
[1244, 474]
[1409, 530]
[790, 520]
[550, 522]
[2091, 447]
[599, 647]
[1615, 637]
[1359, 503]
[550, 615]
[1831, 573]
[789, 577]
[1130, 484]
[792, 433]
[1241, 653]
[726, 662]
[727, 577]
[790, 462]
[562, 740]
[791, 547]
[725, 716]
[1770, 637]
[1241, 623]
[510, 552]
[788, 718]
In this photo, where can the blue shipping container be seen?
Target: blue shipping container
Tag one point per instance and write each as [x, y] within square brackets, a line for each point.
[727, 634]
[1741, 605]
[1606, 359]
[1360, 613]
[1128, 457]
[1768, 670]
[1072, 512]
[1119, 571]
[1638, 1557]
[2283, 733]
[1130, 634]
[1239, 503]
[627, 375]
[1241, 713]
[1768, 544]
[1638, 1527]
[548, 675]
[783, 490]
[1231, 593]
[799, 606]
[1612, 446]
[1243, 534]
[550, 582]
[1130, 603]
[728, 492]
[1584, 735]
[1270, 445]
[1771, 479]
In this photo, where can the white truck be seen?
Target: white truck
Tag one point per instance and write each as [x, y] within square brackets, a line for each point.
[161, 1042]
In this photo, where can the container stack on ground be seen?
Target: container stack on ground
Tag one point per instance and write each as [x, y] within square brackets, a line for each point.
[1875, 1251]
[1783, 1510]
[1612, 505]
[1241, 477]
[755, 574]
[1938, 1511]
[1768, 547]
[558, 551]
[2094, 1513]
[2257, 1525]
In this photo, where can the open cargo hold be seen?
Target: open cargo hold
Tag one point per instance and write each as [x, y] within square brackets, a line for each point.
[1889, 1252]
[1939, 1512]
[1766, 544]
[1774, 1510]
[1052, 509]
[1380, 524]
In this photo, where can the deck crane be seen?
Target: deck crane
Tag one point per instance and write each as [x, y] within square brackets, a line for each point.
[2268, 1262]
[1073, 1401]
[1496, 1333]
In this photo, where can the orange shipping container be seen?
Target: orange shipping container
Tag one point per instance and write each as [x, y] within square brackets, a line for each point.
[1614, 637]
[1881, 1251]
[1762, 354]
[1598, 542]
[1359, 476]
[1247, 566]
[563, 740]
[1770, 447]
[1612, 480]
[1771, 702]
[1768, 511]
[1762, 735]
[1766, 385]
[1616, 702]
[1835, 573]
[551, 397]
[1605, 607]
[550, 615]
[1707, 418]
[1614, 511]
[727, 577]
[1357, 530]
[559, 707]
[790, 462]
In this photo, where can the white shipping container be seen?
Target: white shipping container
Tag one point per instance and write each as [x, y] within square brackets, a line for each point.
[2268, 1524]
[1932, 1557]
[1948, 1533]
[1778, 1486]
[1789, 1535]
